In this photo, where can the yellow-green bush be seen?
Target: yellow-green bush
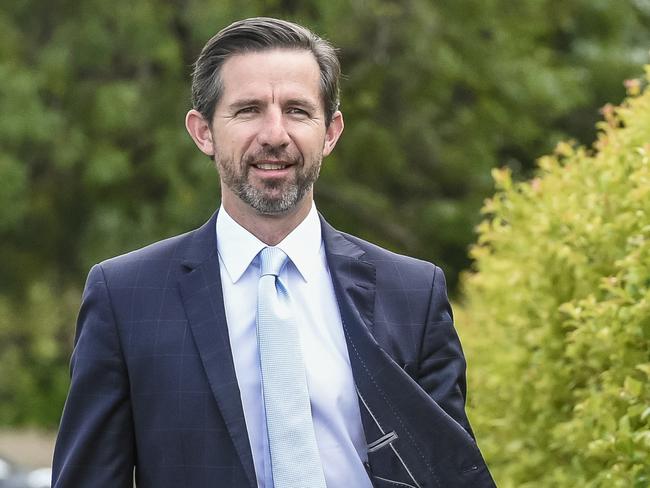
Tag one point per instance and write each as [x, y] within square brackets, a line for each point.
[556, 319]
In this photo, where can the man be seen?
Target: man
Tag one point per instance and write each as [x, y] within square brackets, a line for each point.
[266, 348]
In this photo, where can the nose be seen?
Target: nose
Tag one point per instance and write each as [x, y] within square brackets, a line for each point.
[273, 132]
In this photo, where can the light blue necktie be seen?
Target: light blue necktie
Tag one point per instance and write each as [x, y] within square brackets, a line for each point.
[295, 461]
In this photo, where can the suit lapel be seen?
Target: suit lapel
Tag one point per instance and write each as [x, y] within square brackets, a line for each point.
[354, 283]
[354, 279]
[203, 299]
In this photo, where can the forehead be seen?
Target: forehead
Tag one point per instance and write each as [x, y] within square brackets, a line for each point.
[276, 70]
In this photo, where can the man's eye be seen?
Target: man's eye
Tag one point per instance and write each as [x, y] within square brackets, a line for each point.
[246, 110]
[297, 111]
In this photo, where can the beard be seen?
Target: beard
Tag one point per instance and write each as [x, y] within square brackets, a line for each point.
[271, 197]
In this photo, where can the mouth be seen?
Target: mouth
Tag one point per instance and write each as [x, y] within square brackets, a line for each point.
[271, 166]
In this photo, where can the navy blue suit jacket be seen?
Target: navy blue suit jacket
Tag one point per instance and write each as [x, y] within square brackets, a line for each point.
[153, 382]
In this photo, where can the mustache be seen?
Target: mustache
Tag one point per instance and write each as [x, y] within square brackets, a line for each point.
[278, 153]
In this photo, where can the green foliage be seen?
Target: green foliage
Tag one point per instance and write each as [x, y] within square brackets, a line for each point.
[558, 313]
[33, 382]
[94, 159]
[438, 93]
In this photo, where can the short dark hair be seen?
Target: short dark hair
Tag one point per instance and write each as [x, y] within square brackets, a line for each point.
[254, 35]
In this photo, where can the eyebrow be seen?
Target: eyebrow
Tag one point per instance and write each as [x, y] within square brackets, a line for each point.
[246, 102]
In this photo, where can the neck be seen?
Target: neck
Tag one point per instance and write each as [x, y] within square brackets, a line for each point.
[270, 229]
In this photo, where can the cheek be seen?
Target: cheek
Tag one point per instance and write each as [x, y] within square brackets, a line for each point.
[233, 146]
[309, 141]
[244, 142]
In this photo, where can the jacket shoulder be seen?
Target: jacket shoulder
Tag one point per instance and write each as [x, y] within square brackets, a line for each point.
[166, 249]
[191, 247]
[398, 271]
[147, 263]
[375, 254]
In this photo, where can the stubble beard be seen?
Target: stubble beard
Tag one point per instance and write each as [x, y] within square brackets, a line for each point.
[267, 200]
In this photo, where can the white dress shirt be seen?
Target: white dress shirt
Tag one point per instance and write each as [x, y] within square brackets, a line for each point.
[335, 409]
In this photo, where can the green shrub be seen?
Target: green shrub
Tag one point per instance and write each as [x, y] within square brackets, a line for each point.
[557, 313]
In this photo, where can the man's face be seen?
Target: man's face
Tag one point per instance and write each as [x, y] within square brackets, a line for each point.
[269, 130]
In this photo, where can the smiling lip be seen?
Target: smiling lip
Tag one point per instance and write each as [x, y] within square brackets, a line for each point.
[271, 165]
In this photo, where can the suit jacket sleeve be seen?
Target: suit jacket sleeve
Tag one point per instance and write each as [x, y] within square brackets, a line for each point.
[442, 364]
[95, 444]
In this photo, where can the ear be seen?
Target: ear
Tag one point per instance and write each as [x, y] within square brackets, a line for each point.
[333, 133]
[199, 130]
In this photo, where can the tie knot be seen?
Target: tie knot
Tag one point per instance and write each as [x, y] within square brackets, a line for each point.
[272, 259]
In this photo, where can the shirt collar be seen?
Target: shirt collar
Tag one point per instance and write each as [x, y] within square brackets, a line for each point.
[237, 247]
[303, 245]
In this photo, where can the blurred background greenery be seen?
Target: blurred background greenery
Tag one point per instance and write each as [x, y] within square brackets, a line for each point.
[95, 161]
